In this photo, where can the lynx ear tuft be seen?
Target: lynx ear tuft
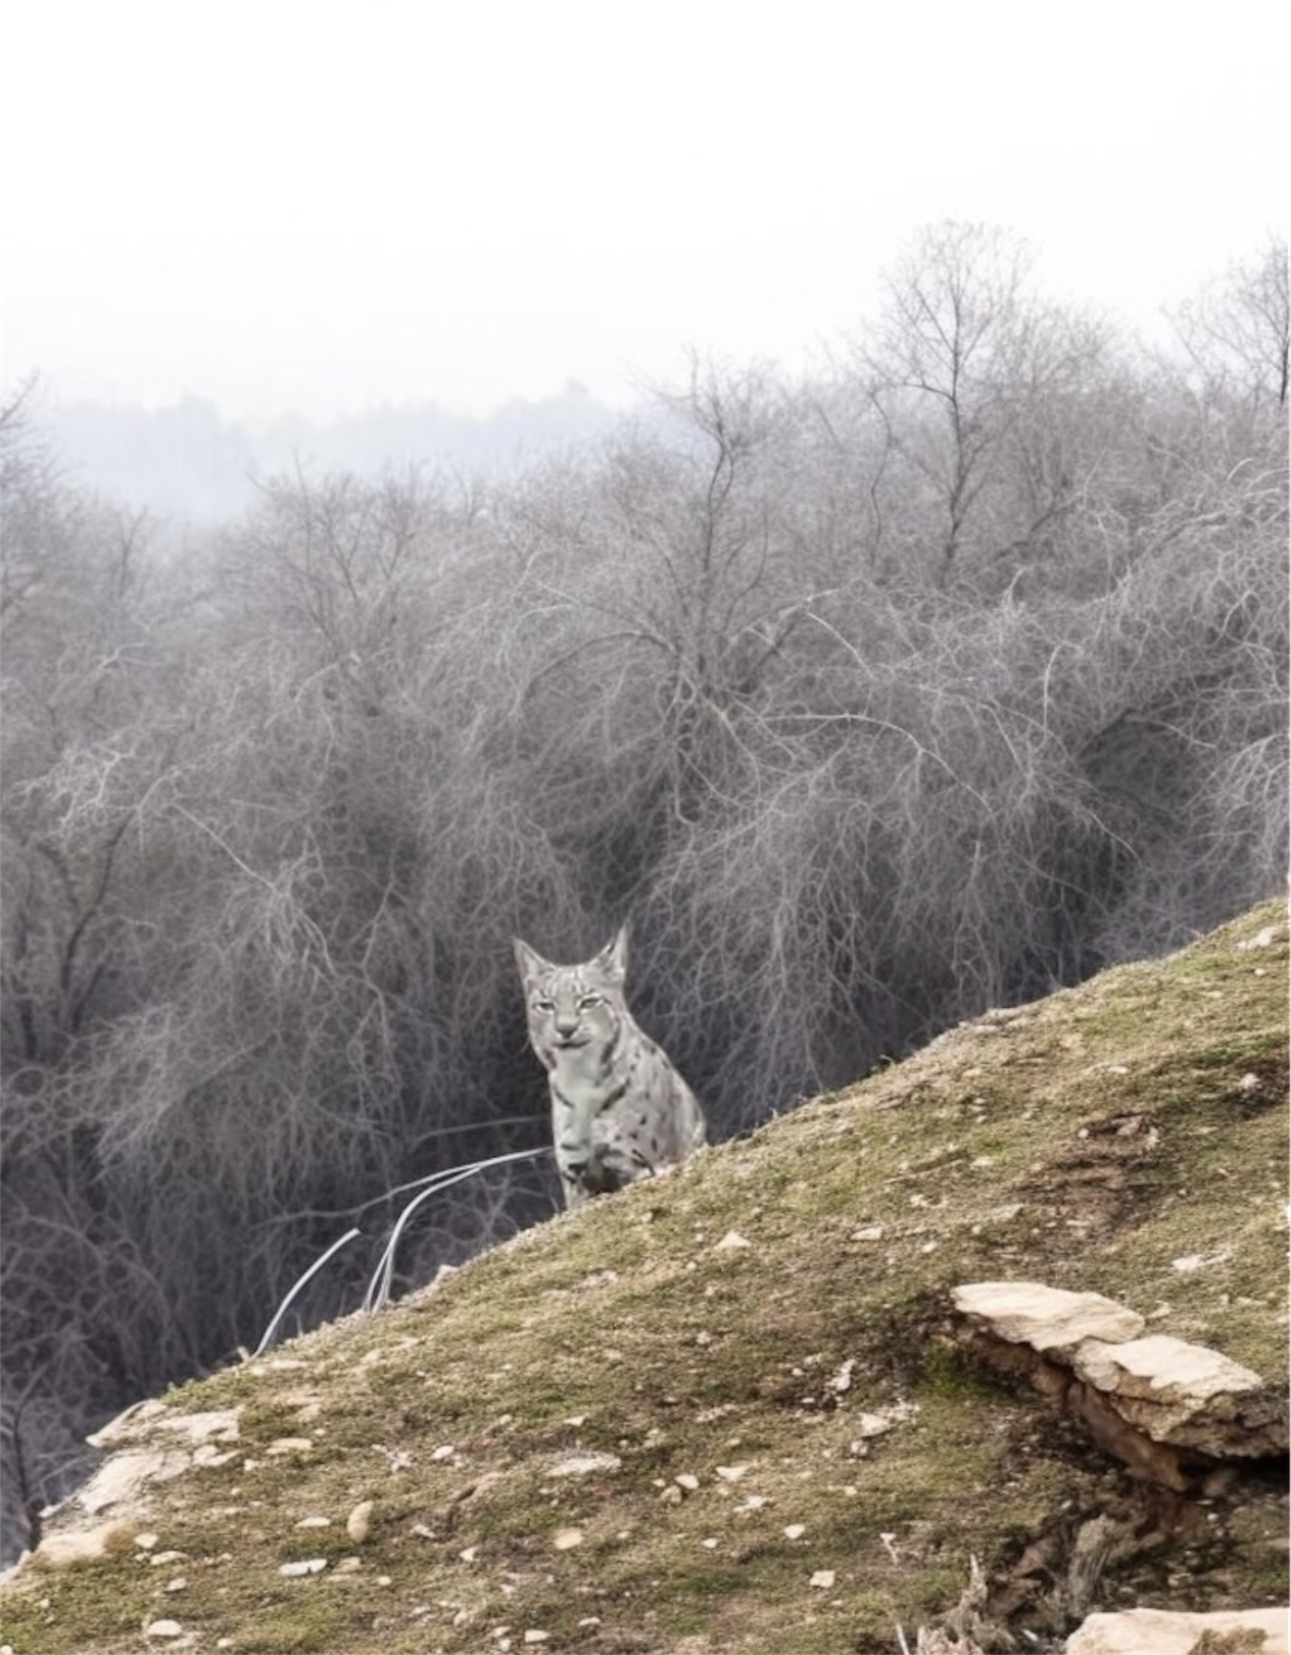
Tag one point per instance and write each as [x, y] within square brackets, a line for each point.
[531, 965]
[613, 958]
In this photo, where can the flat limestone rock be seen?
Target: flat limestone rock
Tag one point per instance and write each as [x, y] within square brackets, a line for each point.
[119, 1482]
[1167, 1408]
[128, 1424]
[1162, 1366]
[1047, 1318]
[148, 1443]
[1185, 1394]
[139, 1423]
[1167, 1632]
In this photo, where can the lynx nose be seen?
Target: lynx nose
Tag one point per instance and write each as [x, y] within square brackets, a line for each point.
[565, 1025]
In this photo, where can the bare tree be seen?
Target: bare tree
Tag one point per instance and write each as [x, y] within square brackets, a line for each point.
[1237, 331]
[984, 394]
[937, 364]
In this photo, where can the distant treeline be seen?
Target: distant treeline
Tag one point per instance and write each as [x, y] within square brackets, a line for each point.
[933, 682]
[193, 468]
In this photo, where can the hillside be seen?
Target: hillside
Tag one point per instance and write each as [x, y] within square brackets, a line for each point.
[728, 1411]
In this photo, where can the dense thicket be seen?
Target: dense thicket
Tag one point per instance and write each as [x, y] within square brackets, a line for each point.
[943, 677]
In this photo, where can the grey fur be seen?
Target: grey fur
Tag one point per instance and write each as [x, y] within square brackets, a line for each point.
[619, 1110]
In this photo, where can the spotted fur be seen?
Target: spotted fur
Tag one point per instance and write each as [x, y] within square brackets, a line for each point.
[619, 1110]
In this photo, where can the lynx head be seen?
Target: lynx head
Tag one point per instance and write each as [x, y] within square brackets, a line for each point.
[573, 1008]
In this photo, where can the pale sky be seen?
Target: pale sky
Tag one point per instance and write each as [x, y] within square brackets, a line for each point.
[317, 207]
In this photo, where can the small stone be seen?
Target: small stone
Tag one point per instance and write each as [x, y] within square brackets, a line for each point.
[794, 1531]
[585, 1465]
[876, 1424]
[470, 1554]
[308, 1566]
[291, 1445]
[314, 1523]
[731, 1242]
[710, 1544]
[868, 1232]
[687, 1480]
[163, 1629]
[444, 1452]
[534, 1636]
[57, 1551]
[207, 1454]
[358, 1525]
[178, 1584]
[823, 1580]
[564, 1540]
[731, 1473]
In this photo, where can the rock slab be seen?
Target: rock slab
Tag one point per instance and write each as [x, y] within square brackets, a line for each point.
[1165, 1632]
[1172, 1411]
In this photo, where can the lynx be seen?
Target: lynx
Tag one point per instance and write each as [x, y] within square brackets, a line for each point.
[619, 1110]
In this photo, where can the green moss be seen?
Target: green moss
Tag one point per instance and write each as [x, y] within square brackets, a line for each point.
[83, 1606]
[949, 1377]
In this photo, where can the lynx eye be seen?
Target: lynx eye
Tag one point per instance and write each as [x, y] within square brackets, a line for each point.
[587, 1001]
[543, 1005]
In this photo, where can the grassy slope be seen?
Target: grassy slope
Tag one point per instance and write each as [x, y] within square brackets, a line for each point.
[1087, 1141]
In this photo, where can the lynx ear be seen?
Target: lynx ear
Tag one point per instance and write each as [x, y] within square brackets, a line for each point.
[531, 965]
[613, 958]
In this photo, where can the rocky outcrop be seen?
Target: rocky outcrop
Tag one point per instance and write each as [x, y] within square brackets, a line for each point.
[147, 1444]
[1176, 1413]
[1164, 1632]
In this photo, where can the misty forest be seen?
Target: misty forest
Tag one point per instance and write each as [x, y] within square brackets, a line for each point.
[930, 681]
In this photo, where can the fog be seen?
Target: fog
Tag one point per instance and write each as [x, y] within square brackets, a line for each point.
[280, 212]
